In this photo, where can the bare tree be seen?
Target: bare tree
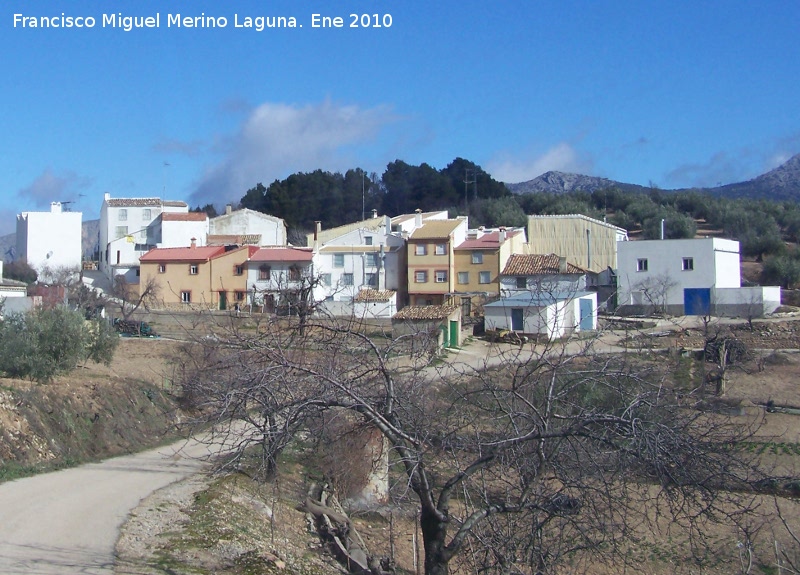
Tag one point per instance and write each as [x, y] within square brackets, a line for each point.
[530, 461]
[130, 297]
[655, 292]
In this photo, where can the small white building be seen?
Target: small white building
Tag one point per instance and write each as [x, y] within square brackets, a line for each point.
[687, 277]
[552, 315]
[374, 304]
[271, 231]
[50, 241]
[277, 277]
[547, 273]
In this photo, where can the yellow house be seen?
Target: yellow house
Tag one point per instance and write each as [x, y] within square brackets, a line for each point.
[197, 277]
[479, 260]
[431, 261]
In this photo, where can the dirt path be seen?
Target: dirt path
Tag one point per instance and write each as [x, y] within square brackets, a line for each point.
[68, 522]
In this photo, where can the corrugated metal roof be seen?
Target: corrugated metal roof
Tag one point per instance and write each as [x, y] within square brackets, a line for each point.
[195, 254]
[436, 229]
[280, 254]
[536, 264]
[425, 312]
[367, 295]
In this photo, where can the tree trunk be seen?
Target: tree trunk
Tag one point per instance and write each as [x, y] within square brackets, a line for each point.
[434, 534]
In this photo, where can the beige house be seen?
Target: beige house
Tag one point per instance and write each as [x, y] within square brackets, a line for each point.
[431, 261]
[584, 241]
[197, 277]
[478, 263]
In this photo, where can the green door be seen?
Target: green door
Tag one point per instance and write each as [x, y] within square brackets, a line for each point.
[453, 333]
[223, 300]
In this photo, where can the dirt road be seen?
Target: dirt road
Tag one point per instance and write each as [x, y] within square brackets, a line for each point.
[68, 522]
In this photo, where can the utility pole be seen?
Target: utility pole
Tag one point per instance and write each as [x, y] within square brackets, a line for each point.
[469, 173]
[362, 196]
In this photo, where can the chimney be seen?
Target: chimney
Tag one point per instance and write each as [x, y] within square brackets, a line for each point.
[374, 214]
[501, 235]
[55, 207]
[562, 265]
[418, 218]
[317, 232]
[194, 242]
[106, 196]
[228, 209]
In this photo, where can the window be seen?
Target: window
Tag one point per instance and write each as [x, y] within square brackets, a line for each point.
[347, 279]
[238, 270]
[421, 277]
[440, 249]
[264, 272]
[338, 260]
[688, 264]
[522, 282]
[420, 249]
[440, 276]
[371, 280]
[162, 268]
[477, 257]
[641, 265]
[193, 269]
[463, 277]
[121, 231]
[294, 274]
[238, 295]
[186, 297]
[368, 241]
[371, 260]
[122, 215]
[484, 277]
[325, 279]
[147, 215]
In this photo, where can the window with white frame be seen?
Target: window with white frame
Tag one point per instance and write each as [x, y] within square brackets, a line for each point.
[162, 268]
[687, 264]
[371, 280]
[463, 278]
[121, 231]
[186, 297]
[420, 249]
[193, 269]
[147, 215]
[371, 260]
[477, 257]
[338, 260]
[122, 215]
[347, 279]
[440, 276]
[421, 276]
[641, 265]
[485, 277]
[440, 249]
[325, 279]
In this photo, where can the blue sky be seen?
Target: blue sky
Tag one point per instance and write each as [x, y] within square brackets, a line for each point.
[672, 93]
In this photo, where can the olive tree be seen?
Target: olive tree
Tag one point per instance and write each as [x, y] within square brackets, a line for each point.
[525, 462]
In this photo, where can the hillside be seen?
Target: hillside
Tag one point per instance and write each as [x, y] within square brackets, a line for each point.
[780, 184]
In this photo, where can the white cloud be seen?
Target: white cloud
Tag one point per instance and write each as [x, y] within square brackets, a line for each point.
[52, 187]
[562, 157]
[276, 140]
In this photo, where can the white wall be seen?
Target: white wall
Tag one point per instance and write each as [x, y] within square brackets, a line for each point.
[50, 239]
[242, 222]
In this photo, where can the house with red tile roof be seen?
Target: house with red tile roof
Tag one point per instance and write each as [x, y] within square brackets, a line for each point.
[542, 273]
[279, 277]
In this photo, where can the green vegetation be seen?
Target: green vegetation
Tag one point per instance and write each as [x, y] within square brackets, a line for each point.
[48, 342]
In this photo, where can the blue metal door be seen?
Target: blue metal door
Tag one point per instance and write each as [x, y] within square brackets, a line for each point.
[517, 319]
[697, 301]
[586, 314]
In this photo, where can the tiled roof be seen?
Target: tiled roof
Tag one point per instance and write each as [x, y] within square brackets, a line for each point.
[281, 254]
[228, 239]
[348, 249]
[195, 254]
[184, 216]
[436, 229]
[425, 312]
[488, 241]
[144, 203]
[528, 265]
[367, 295]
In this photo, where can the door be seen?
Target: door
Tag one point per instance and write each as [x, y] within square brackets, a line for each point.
[453, 333]
[223, 300]
[587, 313]
[517, 319]
[697, 301]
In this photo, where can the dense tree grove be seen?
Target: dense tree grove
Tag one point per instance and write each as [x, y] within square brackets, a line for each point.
[464, 188]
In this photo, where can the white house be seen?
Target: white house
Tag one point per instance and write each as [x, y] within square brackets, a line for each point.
[50, 240]
[548, 273]
[127, 233]
[265, 230]
[278, 276]
[687, 277]
[553, 315]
